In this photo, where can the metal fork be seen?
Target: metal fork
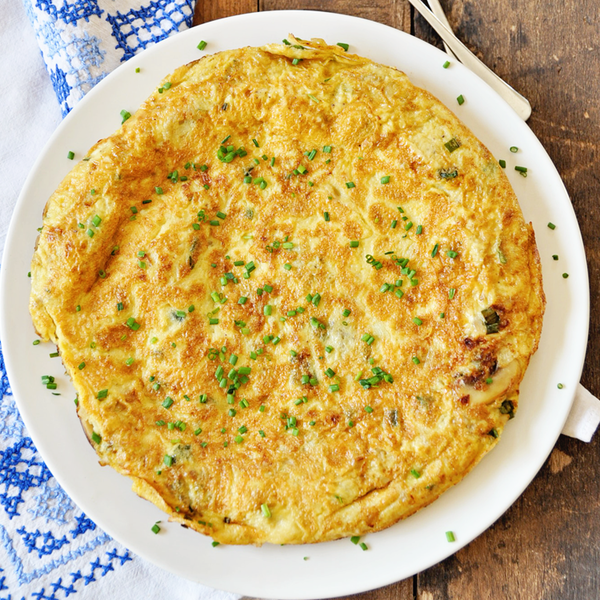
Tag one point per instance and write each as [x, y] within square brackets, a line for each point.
[519, 103]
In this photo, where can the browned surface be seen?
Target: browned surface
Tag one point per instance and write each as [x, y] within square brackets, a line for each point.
[547, 545]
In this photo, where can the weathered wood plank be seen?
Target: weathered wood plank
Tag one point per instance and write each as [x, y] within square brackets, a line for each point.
[395, 13]
[209, 10]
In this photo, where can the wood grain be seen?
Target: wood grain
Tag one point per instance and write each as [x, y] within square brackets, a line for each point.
[209, 10]
[390, 12]
[547, 545]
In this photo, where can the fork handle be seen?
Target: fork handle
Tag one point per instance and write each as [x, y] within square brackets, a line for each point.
[517, 102]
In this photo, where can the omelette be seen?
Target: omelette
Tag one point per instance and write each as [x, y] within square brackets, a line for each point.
[296, 296]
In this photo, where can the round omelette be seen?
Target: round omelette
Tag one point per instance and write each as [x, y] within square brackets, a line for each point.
[295, 294]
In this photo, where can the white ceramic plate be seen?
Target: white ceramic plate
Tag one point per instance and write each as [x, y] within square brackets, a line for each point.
[333, 568]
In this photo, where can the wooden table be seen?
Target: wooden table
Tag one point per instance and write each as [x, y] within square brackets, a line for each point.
[547, 545]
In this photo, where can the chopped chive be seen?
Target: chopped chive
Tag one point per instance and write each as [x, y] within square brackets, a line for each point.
[350, 184]
[255, 143]
[502, 163]
[265, 510]
[419, 229]
[415, 473]
[354, 244]
[334, 388]
[450, 536]
[451, 293]
[417, 321]
[344, 46]
[555, 256]
[267, 310]
[446, 64]
[460, 100]
[435, 250]
[328, 349]
[560, 386]
[102, 394]
[451, 254]
[346, 312]
[551, 226]
[522, 170]
[385, 179]
[416, 360]
[221, 215]
[201, 45]
[81, 366]
[326, 216]
[513, 149]
[394, 223]
[565, 275]
[96, 438]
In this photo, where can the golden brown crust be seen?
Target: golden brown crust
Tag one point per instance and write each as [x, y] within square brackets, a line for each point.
[326, 463]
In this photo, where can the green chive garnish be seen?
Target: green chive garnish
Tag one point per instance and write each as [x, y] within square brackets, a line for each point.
[350, 184]
[450, 536]
[385, 179]
[201, 45]
[460, 100]
[354, 244]
[344, 46]
[446, 64]
[551, 226]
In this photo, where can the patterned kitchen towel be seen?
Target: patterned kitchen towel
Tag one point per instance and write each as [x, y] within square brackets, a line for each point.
[82, 41]
[49, 549]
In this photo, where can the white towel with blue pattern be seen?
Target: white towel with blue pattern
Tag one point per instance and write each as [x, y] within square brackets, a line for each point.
[82, 41]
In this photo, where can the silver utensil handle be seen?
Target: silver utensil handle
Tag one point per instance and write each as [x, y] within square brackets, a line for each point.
[518, 103]
[438, 11]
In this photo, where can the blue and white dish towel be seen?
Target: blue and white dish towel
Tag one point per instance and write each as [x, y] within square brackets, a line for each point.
[82, 41]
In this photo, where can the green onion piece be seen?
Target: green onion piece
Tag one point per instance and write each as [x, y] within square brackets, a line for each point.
[451, 293]
[355, 539]
[70, 155]
[328, 349]
[268, 310]
[334, 388]
[287, 267]
[354, 244]
[415, 473]
[417, 321]
[96, 438]
[502, 163]
[451, 254]
[551, 226]
[435, 250]
[344, 46]
[221, 215]
[124, 116]
[416, 360]
[168, 460]
[385, 179]
[521, 169]
[446, 64]
[201, 45]
[513, 149]
[460, 100]
[350, 184]
[419, 229]
[560, 386]
[565, 275]
[363, 546]
[90, 232]
[81, 366]
[450, 536]
[167, 402]
[265, 510]
[554, 257]
[242, 300]
[102, 394]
